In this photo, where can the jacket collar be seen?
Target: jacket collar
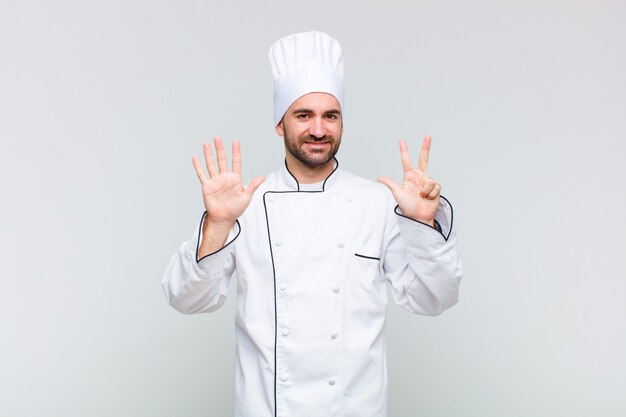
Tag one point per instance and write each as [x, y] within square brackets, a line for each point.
[293, 185]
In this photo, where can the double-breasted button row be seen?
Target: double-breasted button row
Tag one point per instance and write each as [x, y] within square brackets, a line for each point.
[285, 332]
[279, 242]
[271, 199]
[285, 378]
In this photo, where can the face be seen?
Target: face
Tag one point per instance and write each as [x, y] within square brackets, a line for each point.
[312, 128]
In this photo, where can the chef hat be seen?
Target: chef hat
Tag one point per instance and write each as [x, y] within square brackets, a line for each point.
[304, 63]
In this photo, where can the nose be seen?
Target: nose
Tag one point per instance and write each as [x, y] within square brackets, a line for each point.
[316, 128]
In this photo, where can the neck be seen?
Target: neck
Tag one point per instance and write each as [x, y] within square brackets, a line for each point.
[307, 175]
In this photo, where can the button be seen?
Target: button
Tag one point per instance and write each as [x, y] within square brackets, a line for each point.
[331, 382]
[278, 242]
[336, 290]
[340, 244]
[333, 336]
[284, 378]
[284, 332]
[282, 286]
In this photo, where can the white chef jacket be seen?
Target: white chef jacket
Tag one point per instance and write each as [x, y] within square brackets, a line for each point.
[312, 271]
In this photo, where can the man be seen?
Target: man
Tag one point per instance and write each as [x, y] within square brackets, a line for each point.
[315, 249]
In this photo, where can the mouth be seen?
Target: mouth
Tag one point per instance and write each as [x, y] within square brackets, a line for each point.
[317, 146]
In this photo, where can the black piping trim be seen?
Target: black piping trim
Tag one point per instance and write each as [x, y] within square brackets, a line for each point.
[435, 229]
[269, 238]
[333, 171]
[200, 231]
[366, 257]
[323, 184]
[292, 176]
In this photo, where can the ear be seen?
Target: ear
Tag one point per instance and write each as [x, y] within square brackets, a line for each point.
[279, 128]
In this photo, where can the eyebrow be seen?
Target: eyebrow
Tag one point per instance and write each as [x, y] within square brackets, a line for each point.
[305, 110]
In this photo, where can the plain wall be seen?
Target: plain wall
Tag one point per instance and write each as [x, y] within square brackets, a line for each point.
[103, 103]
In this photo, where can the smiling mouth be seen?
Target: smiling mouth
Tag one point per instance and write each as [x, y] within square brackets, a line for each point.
[317, 146]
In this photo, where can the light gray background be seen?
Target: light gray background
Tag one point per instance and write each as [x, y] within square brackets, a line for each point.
[103, 103]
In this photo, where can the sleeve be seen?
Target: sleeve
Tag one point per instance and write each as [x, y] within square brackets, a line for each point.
[422, 264]
[193, 285]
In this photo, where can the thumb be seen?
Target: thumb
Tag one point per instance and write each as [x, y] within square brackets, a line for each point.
[254, 184]
[390, 184]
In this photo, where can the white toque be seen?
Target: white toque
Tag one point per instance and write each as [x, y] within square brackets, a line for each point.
[305, 63]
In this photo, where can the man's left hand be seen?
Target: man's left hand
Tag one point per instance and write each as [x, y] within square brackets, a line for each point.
[418, 196]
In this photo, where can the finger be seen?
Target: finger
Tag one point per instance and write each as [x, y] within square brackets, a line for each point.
[236, 157]
[199, 170]
[416, 177]
[254, 184]
[391, 184]
[405, 156]
[221, 154]
[427, 187]
[436, 192]
[208, 159]
[423, 162]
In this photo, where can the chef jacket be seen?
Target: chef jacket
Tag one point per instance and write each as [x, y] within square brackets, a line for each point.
[313, 268]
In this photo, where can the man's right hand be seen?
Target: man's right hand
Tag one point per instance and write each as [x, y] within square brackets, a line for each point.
[225, 198]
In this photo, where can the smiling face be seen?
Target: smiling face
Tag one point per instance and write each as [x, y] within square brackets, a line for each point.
[312, 128]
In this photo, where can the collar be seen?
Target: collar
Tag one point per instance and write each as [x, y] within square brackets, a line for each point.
[293, 185]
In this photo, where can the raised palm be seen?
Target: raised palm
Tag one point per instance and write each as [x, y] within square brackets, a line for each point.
[225, 198]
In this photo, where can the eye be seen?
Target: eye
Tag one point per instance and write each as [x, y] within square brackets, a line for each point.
[332, 116]
[302, 116]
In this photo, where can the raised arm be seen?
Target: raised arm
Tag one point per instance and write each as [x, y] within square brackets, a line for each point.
[422, 261]
[196, 278]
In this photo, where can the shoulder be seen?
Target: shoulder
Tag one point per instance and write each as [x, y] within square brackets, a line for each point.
[372, 194]
[359, 184]
[271, 180]
[371, 198]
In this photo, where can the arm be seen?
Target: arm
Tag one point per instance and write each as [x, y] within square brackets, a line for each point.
[422, 263]
[196, 279]
[198, 285]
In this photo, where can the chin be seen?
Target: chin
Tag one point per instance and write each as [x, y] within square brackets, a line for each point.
[317, 163]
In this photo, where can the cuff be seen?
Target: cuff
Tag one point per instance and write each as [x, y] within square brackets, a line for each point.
[225, 250]
[422, 238]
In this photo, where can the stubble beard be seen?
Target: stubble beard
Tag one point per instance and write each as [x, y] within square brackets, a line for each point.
[311, 159]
